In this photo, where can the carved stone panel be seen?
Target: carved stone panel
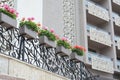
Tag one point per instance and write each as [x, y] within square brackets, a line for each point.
[69, 20]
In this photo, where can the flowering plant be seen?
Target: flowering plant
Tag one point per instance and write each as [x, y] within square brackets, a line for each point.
[8, 11]
[30, 24]
[79, 50]
[63, 42]
[49, 34]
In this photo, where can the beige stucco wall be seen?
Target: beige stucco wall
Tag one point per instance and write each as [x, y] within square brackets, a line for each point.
[16, 68]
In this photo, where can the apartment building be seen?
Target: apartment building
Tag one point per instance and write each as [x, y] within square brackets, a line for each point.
[95, 24]
[102, 36]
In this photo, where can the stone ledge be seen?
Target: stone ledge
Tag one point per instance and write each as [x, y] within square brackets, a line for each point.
[6, 77]
[12, 71]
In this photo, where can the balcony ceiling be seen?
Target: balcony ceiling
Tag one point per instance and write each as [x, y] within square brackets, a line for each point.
[95, 20]
[95, 45]
[98, 1]
[116, 8]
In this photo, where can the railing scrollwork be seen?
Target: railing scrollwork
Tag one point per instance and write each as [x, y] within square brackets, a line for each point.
[31, 51]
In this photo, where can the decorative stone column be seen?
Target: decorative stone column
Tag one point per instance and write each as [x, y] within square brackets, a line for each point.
[69, 29]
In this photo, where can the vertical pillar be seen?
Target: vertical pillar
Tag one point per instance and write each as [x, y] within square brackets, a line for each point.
[60, 15]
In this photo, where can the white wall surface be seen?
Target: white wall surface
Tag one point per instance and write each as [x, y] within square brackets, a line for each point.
[30, 8]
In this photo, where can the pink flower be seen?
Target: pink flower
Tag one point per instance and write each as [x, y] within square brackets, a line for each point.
[52, 30]
[6, 6]
[45, 28]
[17, 14]
[0, 6]
[12, 10]
[32, 18]
[38, 24]
[23, 19]
[29, 19]
[64, 38]
[57, 37]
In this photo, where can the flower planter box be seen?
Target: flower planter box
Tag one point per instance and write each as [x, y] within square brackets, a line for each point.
[28, 33]
[48, 43]
[7, 21]
[75, 57]
[62, 51]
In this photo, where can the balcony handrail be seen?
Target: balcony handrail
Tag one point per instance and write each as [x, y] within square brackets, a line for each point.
[115, 14]
[118, 62]
[100, 56]
[94, 27]
[118, 2]
[100, 7]
[116, 37]
[32, 52]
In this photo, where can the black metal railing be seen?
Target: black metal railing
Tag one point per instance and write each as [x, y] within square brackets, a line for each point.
[31, 51]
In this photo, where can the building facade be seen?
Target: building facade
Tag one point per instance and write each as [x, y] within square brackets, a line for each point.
[95, 24]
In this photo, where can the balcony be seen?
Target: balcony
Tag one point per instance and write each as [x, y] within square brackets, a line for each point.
[116, 2]
[98, 38]
[116, 19]
[116, 6]
[32, 52]
[118, 65]
[100, 62]
[117, 41]
[91, 54]
[96, 13]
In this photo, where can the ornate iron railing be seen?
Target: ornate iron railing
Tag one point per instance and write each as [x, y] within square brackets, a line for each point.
[31, 51]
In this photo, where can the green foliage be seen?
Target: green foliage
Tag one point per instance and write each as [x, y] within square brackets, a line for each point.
[8, 13]
[29, 25]
[64, 44]
[48, 34]
[78, 51]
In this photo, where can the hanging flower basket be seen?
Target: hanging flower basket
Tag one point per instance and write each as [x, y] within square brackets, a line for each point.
[75, 57]
[45, 41]
[77, 53]
[8, 17]
[47, 37]
[62, 51]
[28, 28]
[63, 47]
[28, 33]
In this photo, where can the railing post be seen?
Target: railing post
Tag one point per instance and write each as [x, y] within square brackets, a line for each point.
[22, 48]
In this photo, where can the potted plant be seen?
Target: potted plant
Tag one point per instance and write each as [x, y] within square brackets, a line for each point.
[47, 37]
[8, 16]
[77, 53]
[29, 28]
[63, 47]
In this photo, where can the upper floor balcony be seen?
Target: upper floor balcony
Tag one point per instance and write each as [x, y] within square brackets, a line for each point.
[116, 2]
[116, 6]
[100, 62]
[99, 36]
[90, 54]
[117, 42]
[97, 11]
[116, 19]
[118, 65]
